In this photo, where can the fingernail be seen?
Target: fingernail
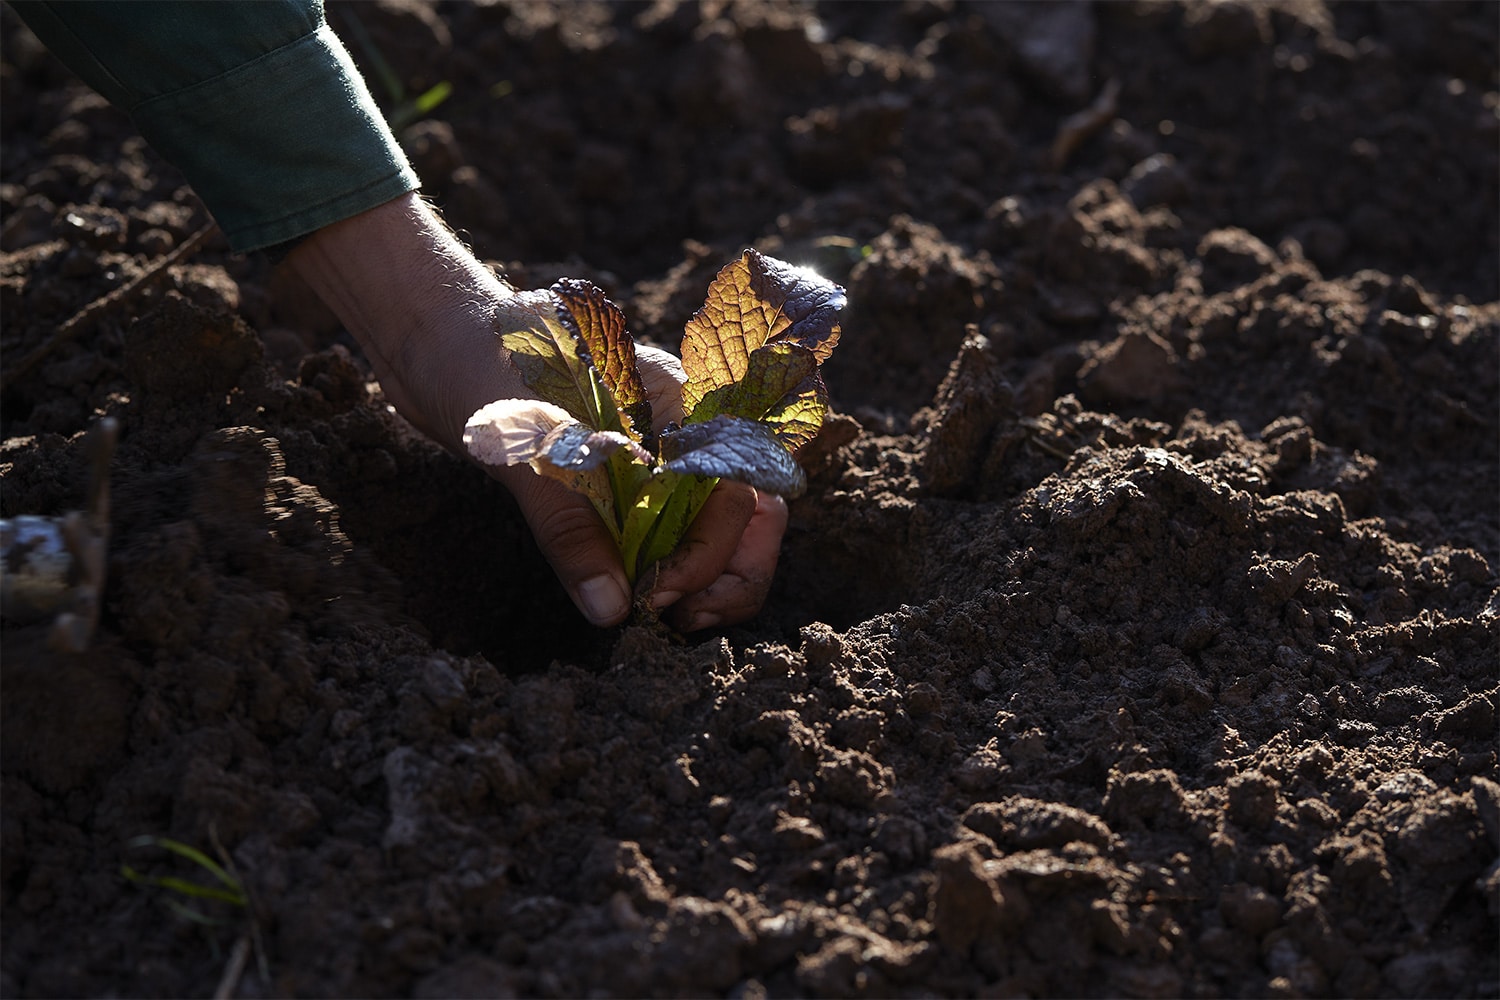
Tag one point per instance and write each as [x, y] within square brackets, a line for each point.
[603, 599]
[702, 620]
[665, 598]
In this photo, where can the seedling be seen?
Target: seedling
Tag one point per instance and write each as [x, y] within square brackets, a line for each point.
[226, 888]
[753, 395]
[187, 897]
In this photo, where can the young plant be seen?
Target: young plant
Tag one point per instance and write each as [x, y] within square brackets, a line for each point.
[188, 897]
[228, 889]
[753, 395]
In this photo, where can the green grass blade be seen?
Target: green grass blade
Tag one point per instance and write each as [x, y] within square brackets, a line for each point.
[184, 887]
[429, 99]
[191, 915]
[194, 855]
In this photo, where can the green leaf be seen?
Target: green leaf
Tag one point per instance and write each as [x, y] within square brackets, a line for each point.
[600, 327]
[644, 520]
[670, 505]
[781, 388]
[733, 448]
[198, 858]
[428, 101]
[230, 890]
[754, 301]
[185, 887]
[556, 364]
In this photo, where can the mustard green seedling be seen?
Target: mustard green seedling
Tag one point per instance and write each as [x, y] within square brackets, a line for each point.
[753, 395]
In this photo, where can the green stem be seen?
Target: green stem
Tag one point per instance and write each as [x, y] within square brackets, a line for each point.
[660, 517]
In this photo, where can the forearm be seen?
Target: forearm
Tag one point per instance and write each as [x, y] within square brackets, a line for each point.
[422, 308]
[428, 316]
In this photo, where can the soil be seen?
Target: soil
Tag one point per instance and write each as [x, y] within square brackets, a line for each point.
[1137, 634]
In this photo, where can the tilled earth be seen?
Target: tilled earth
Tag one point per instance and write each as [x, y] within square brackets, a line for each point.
[1137, 635]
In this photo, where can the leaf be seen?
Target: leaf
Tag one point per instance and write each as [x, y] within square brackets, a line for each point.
[510, 431]
[517, 431]
[556, 364]
[572, 447]
[198, 858]
[754, 301]
[733, 448]
[781, 388]
[600, 327]
[185, 887]
[750, 388]
[428, 101]
[654, 515]
[231, 892]
[665, 511]
[596, 464]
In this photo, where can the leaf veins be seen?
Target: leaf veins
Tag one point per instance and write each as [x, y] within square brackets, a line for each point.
[556, 364]
[781, 388]
[754, 301]
[600, 327]
[733, 448]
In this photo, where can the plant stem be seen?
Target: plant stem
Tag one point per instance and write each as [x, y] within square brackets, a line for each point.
[660, 517]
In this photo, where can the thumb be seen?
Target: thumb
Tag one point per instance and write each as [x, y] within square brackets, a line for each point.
[577, 544]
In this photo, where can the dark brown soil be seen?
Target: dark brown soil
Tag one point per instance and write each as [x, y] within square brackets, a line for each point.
[1137, 636]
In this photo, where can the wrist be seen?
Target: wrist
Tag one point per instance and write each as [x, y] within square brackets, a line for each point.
[422, 308]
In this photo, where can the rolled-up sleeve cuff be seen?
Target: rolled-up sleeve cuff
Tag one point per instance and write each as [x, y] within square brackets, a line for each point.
[283, 145]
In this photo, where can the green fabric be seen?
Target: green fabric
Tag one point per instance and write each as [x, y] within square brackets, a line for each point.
[257, 103]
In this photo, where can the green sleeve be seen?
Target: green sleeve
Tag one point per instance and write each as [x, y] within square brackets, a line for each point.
[257, 103]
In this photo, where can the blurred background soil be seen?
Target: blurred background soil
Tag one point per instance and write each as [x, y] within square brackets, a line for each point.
[1136, 637]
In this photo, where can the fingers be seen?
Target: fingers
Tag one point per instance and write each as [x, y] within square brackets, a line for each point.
[720, 573]
[577, 544]
[721, 570]
[704, 552]
[726, 562]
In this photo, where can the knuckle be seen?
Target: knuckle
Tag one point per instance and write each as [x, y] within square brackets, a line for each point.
[564, 523]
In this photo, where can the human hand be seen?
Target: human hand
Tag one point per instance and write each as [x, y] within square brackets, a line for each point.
[721, 571]
[427, 314]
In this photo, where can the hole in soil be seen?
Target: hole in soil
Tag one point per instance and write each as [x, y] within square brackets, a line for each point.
[471, 574]
[838, 577]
